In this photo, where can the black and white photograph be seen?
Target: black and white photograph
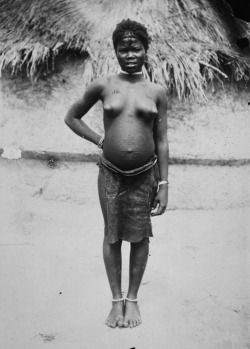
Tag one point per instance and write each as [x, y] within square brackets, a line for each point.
[124, 174]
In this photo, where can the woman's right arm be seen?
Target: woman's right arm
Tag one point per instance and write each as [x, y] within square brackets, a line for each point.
[93, 93]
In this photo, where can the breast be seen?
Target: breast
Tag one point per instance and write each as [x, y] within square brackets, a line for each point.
[147, 112]
[115, 108]
[145, 107]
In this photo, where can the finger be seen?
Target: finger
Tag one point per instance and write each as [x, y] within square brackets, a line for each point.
[154, 210]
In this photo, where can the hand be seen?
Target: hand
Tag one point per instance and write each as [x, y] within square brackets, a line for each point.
[160, 202]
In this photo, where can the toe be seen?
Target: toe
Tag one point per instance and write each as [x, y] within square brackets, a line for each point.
[109, 323]
[113, 324]
[126, 324]
[120, 323]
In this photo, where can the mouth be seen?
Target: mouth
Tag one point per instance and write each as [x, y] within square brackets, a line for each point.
[130, 64]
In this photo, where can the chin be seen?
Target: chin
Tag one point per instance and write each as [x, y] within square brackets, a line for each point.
[132, 70]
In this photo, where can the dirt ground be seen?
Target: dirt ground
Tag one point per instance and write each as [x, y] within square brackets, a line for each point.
[54, 292]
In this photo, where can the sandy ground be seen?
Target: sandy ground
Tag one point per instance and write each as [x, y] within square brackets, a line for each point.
[54, 292]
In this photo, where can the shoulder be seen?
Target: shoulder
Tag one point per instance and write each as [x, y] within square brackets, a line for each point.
[97, 85]
[96, 89]
[159, 89]
[159, 92]
[100, 84]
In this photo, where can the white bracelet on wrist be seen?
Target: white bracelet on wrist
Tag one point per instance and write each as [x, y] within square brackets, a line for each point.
[163, 182]
[100, 143]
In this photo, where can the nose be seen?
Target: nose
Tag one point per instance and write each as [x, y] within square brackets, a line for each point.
[130, 54]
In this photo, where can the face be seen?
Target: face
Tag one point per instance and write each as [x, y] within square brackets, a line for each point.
[131, 54]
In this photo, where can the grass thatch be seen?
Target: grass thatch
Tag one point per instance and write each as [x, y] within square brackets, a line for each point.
[192, 40]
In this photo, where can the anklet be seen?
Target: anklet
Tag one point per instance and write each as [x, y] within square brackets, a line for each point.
[118, 300]
[131, 300]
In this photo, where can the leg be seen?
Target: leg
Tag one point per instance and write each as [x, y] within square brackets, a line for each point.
[138, 262]
[113, 263]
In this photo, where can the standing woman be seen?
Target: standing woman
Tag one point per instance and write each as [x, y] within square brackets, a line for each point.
[133, 174]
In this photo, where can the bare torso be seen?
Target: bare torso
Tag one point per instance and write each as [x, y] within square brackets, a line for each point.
[129, 113]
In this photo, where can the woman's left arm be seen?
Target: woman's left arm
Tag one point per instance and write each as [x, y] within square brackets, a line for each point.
[162, 151]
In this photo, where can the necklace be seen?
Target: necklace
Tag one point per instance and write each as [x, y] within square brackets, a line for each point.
[137, 73]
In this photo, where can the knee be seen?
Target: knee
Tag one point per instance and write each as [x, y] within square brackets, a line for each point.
[143, 242]
[115, 245]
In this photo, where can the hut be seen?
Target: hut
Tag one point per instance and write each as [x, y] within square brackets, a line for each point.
[49, 52]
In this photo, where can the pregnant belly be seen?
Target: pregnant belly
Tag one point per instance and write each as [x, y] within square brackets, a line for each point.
[128, 151]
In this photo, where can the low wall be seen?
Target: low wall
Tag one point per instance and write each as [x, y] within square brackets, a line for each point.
[32, 116]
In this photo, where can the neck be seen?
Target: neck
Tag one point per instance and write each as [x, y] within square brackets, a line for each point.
[136, 73]
[133, 78]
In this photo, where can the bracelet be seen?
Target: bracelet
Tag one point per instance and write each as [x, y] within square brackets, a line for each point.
[163, 182]
[100, 143]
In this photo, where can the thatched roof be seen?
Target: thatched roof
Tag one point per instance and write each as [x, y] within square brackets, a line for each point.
[193, 41]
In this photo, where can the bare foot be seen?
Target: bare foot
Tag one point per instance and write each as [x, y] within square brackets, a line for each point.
[132, 316]
[115, 317]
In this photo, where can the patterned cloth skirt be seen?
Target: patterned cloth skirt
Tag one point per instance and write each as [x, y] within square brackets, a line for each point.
[126, 199]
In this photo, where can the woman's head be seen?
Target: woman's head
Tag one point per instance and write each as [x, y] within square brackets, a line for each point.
[131, 42]
[128, 28]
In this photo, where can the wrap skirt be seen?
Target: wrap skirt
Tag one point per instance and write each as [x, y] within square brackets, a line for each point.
[126, 199]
